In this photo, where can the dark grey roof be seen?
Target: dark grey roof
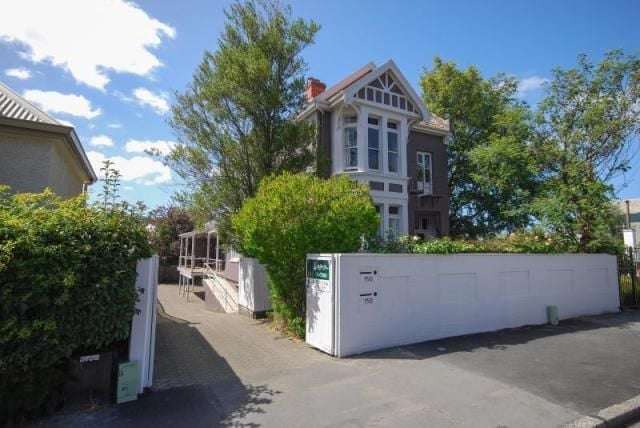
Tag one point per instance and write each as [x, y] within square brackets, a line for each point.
[13, 106]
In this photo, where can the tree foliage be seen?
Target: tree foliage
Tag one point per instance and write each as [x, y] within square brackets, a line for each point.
[491, 173]
[293, 215]
[235, 121]
[585, 128]
[168, 222]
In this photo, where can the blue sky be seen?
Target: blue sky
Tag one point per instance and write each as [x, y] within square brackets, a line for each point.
[112, 70]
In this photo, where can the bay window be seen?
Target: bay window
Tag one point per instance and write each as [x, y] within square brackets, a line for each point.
[392, 146]
[373, 143]
[350, 142]
[424, 173]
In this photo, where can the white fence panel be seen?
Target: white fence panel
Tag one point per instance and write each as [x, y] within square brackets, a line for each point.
[143, 326]
[385, 300]
[253, 292]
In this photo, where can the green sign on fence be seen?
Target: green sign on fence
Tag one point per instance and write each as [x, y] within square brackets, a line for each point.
[318, 269]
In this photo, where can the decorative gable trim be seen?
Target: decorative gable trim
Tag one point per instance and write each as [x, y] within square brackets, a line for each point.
[351, 93]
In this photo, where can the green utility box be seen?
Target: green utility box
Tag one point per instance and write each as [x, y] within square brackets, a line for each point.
[552, 315]
[128, 381]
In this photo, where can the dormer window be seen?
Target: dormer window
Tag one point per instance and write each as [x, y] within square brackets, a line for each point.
[350, 142]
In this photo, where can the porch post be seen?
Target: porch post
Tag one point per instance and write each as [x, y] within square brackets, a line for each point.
[193, 250]
[217, 253]
[208, 244]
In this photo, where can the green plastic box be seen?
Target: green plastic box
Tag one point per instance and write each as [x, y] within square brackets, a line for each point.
[552, 314]
[128, 381]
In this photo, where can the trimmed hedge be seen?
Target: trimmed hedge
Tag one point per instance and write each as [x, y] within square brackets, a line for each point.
[532, 242]
[67, 285]
[293, 215]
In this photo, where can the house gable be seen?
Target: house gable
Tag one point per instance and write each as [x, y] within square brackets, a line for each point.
[387, 87]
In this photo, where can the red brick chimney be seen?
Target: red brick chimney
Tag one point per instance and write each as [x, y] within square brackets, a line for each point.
[314, 88]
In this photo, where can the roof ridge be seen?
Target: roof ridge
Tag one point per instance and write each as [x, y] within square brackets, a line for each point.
[15, 106]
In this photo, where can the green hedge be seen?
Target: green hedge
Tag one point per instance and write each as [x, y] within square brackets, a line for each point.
[532, 242]
[67, 275]
[293, 215]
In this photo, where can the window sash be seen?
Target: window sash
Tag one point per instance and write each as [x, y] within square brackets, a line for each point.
[392, 151]
[393, 222]
[424, 171]
[373, 143]
[350, 147]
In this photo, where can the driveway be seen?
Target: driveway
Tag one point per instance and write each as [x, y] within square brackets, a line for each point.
[217, 369]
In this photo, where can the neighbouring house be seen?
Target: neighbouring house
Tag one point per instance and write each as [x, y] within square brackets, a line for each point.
[631, 220]
[374, 128]
[37, 151]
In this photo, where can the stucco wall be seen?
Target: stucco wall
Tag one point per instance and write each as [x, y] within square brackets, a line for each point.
[32, 160]
[384, 300]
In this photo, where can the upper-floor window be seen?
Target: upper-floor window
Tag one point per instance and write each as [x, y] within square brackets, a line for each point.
[350, 142]
[373, 142]
[386, 90]
[424, 172]
[392, 146]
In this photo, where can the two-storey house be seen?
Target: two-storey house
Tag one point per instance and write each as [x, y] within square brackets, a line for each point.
[374, 128]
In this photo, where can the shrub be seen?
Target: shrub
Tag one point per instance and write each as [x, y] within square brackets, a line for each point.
[67, 275]
[533, 241]
[293, 215]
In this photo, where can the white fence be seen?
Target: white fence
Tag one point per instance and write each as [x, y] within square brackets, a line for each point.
[373, 301]
[143, 326]
[253, 292]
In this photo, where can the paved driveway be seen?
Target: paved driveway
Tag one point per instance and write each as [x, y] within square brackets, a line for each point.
[216, 369]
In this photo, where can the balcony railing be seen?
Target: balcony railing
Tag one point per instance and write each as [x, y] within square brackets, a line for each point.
[201, 263]
[419, 187]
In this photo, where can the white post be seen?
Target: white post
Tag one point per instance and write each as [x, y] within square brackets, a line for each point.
[217, 253]
[193, 250]
[208, 243]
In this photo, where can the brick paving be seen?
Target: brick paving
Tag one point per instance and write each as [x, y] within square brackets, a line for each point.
[197, 346]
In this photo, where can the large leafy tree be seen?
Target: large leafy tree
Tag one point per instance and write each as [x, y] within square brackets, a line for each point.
[492, 175]
[236, 121]
[586, 127]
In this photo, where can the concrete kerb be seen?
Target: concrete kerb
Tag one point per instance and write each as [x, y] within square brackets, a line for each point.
[617, 415]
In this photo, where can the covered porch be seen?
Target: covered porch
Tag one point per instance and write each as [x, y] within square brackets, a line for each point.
[201, 255]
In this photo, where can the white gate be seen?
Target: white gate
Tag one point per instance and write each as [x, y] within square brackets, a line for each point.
[143, 327]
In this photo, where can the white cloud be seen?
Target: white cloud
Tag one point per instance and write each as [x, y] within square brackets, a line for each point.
[101, 140]
[87, 38]
[158, 102]
[18, 73]
[530, 84]
[141, 146]
[55, 102]
[114, 125]
[140, 169]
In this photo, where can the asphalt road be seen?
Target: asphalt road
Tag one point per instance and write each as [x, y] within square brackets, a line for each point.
[216, 369]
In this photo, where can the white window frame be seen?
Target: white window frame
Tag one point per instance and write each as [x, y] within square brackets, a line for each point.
[380, 211]
[424, 186]
[397, 151]
[350, 123]
[377, 128]
[393, 231]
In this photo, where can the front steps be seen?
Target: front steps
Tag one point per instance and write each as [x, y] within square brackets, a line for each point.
[220, 292]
